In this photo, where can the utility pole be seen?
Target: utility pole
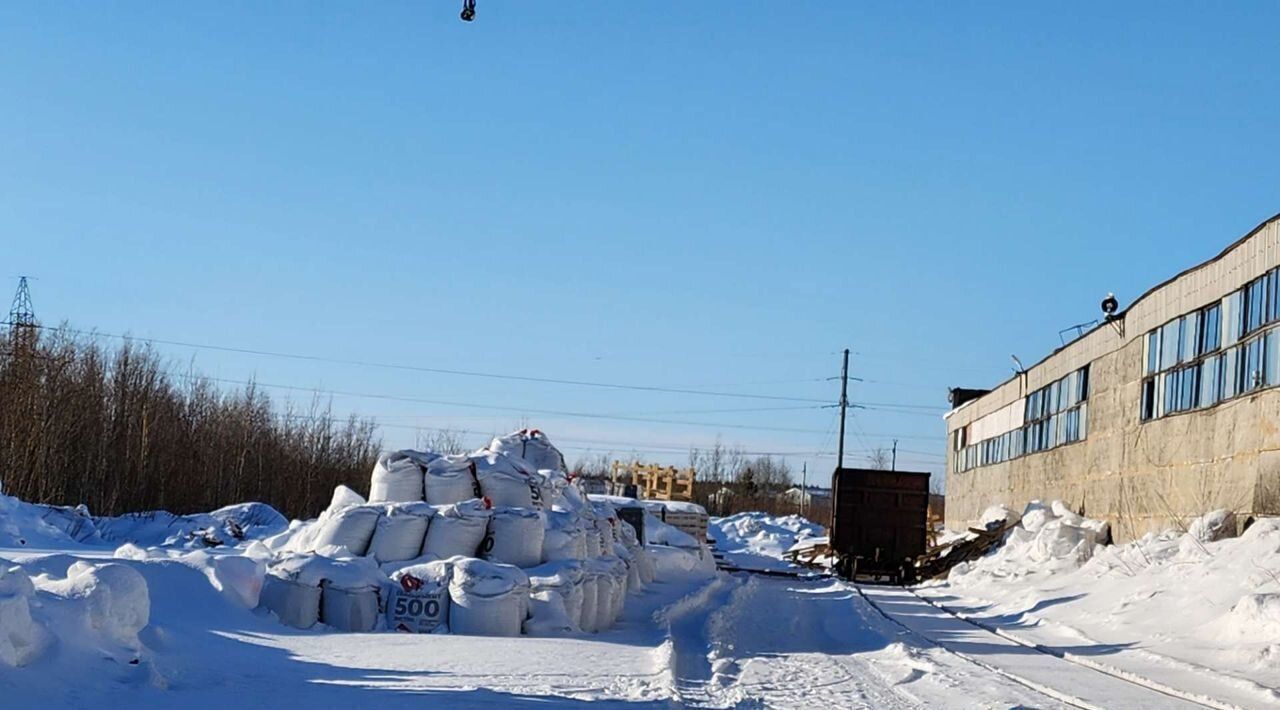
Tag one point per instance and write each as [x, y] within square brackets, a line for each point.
[804, 487]
[844, 405]
[894, 466]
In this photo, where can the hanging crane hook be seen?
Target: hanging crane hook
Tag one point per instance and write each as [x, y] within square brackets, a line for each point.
[468, 10]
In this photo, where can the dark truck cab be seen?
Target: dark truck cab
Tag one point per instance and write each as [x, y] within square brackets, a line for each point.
[879, 522]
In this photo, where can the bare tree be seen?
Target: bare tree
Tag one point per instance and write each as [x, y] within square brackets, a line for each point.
[117, 431]
[878, 458]
[443, 441]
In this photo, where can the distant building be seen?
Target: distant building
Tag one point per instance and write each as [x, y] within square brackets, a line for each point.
[807, 496]
[1163, 411]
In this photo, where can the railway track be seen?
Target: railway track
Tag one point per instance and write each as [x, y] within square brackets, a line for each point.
[1066, 677]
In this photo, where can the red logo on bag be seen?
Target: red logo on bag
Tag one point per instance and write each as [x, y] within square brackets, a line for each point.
[410, 583]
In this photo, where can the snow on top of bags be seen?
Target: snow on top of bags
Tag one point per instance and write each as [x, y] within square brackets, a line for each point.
[555, 574]
[487, 579]
[330, 565]
[436, 571]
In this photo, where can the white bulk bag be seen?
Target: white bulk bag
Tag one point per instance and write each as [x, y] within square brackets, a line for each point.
[348, 609]
[563, 578]
[396, 477]
[548, 616]
[605, 584]
[552, 485]
[350, 527]
[418, 598]
[506, 481]
[296, 604]
[515, 537]
[618, 599]
[635, 582]
[564, 538]
[487, 599]
[591, 535]
[449, 480]
[532, 446]
[587, 613]
[457, 529]
[400, 532]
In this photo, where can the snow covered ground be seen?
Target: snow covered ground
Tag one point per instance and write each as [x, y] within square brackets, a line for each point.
[1186, 611]
[168, 626]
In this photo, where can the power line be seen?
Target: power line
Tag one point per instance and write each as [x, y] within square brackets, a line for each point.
[619, 445]
[444, 371]
[516, 410]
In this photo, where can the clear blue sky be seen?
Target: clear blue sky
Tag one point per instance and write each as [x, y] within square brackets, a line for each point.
[708, 195]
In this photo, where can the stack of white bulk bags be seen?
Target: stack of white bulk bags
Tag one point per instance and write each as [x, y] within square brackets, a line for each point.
[418, 598]
[505, 480]
[450, 479]
[532, 446]
[397, 477]
[457, 529]
[515, 537]
[351, 527]
[400, 532]
[487, 599]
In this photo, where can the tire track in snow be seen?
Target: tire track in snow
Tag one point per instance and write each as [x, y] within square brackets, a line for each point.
[688, 644]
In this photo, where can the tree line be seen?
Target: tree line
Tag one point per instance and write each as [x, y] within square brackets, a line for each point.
[117, 430]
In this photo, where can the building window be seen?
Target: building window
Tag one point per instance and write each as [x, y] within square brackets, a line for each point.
[1214, 353]
[1053, 415]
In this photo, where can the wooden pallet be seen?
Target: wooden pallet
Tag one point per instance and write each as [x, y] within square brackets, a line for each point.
[807, 556]
[938, 561]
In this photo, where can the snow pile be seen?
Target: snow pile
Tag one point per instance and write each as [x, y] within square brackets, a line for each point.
[21, 637]
[758, 540]
[87, 608]
[1048, 539]
[39, 526]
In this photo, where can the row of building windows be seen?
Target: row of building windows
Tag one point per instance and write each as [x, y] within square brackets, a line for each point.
[1249, 366]
[1054, 415]
[1191, 361]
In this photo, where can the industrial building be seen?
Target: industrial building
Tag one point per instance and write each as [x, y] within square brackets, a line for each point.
[1161, 412]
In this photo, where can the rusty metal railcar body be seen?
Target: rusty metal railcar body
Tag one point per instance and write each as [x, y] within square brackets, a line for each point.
[878, 522]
